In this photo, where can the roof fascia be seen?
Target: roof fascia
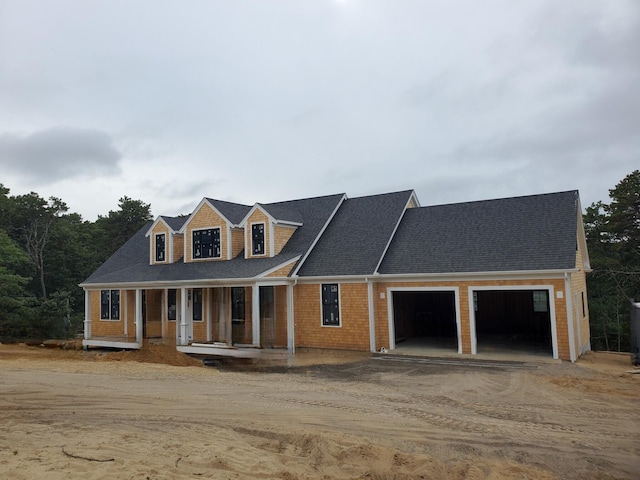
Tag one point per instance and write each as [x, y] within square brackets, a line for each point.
[277, 267]
[197, 209]
[195, 283]
[434, 277]
[582, 238]
[413, 197]
[320, 233]
[257, 206]
[158, 220]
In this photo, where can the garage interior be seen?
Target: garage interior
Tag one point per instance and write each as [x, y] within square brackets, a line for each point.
[425, 319]
[513, 321]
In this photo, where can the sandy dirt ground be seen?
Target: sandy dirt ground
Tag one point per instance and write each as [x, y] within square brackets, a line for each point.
[94, 415]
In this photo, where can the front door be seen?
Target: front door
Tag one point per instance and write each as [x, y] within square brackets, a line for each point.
[267, 320]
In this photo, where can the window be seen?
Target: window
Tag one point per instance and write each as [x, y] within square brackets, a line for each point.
[330, 305]
[237, 303]
[584, 311]
[257, 239]
[197, 304]
[475, 301]
[206, 243]
[110, 304]
[540, 303]
[172, 304]
[160, 251]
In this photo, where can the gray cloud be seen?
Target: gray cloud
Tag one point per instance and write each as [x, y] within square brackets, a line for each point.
[59, 153]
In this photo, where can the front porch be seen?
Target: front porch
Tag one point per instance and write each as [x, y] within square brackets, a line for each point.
[232, 321]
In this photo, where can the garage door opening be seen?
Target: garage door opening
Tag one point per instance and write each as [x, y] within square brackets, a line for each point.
[513, 320]
[425, 319]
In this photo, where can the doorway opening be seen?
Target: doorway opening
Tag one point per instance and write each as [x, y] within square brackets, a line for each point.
[425, 319]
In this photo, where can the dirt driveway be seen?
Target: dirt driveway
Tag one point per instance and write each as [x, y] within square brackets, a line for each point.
[71, 414]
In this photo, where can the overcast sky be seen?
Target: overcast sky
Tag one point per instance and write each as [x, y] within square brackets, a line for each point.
[260, 101]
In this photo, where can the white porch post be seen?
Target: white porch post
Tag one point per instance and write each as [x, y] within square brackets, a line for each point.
[184, 340]
[87, 315]
[255, 314]
[138, 316]
[372, 318]
[209, 304]
[291, 344]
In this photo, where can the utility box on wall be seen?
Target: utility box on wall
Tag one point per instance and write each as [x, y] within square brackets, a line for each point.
[635, 333]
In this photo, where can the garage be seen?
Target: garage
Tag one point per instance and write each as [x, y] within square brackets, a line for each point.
[425, 319]
[513, 320]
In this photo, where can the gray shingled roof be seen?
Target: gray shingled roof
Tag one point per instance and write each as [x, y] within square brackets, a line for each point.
[130, 264]
[234, 212]
[535, 232]
[175, 223]
[282, 211]
[355, 240]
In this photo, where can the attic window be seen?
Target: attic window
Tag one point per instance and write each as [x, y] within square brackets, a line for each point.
[206, 243]
[160, 247]
[257, 239]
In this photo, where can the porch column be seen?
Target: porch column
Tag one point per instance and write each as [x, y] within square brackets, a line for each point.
[209, 303]
[372, 318]
[184, 340]
[87, 315]
[291, 344]
[255, 314]
[138, 316]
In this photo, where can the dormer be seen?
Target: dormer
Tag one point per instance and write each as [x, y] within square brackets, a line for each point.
[210, 232]
[165, 241]
[267, 229]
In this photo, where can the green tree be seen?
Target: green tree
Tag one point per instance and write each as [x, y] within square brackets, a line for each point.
[31, 218]
[120, 225]
[16, 302]
[613, 238]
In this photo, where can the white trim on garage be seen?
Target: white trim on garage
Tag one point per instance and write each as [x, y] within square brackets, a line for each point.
[552, 311]
[390, 290]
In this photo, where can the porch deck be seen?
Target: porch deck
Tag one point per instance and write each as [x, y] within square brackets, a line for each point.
[122, 342]
[219, 349]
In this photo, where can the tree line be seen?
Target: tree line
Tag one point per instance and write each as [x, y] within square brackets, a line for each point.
[46, 251]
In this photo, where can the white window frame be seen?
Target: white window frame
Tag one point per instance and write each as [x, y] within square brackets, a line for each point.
[193, 230]
[110, 319]
[155, 244]
[264, 239]
[322, 324]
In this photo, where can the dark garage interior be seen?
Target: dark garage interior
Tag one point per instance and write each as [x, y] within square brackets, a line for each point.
[425, 318]
[517, 320]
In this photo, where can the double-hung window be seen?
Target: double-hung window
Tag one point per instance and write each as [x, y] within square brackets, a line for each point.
[110, 304]
[330, 305]
[257, 239]
[206, 243]
[160, 247]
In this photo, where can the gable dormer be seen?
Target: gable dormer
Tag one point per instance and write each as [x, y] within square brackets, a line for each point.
[267, 229]
[211, 231]
[165, 241]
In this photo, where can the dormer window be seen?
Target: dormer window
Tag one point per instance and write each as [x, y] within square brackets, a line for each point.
[160, 247]
[206, 243]
[257, 239]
